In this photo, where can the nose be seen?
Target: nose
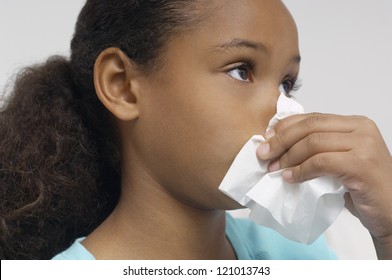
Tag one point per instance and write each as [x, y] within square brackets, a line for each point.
[268, 106]
[285, 107]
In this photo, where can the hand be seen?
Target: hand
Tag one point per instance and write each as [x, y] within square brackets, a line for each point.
[349, 148]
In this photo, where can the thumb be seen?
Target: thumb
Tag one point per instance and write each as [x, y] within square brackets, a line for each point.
[349, 204]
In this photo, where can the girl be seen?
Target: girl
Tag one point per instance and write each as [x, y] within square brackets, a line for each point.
[123, 146]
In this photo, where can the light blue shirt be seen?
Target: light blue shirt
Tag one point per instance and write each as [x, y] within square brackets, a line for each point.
[249, 241]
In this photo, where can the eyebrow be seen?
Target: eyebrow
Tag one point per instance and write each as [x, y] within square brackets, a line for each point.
[243, 43]
[240, 43]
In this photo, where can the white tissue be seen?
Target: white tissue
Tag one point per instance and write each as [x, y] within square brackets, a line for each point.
[300, 212]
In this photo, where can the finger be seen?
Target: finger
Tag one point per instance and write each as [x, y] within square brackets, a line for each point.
[315, 143]
[291, 120]
[286, 122]
[286, 136]
[325, 164]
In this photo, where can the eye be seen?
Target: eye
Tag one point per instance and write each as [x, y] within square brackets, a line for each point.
[242, 72]
[289, 86]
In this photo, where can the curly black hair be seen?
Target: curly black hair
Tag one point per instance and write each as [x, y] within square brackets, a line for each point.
[59, 155]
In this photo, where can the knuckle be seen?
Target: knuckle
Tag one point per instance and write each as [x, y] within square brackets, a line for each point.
[313, 140]
[365, 157]
[277, 127]
[300, 174]
[369, 142]
[367, 123]
[284, 160]
[312, 120]
[280, 139]
[320, 162]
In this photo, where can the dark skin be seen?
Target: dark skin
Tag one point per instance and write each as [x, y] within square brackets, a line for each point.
[181, 127]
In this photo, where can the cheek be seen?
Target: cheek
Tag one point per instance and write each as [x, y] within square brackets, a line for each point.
[200, 127]
[193, 132]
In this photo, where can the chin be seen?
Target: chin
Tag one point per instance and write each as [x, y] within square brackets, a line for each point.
[223, 202]
[218, 201]
[230, 204]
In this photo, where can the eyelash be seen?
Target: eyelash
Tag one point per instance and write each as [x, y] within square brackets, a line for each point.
[294, 86]
[248, 66]
[293, 83]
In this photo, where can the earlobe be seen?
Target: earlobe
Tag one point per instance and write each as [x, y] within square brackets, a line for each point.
[115, 84]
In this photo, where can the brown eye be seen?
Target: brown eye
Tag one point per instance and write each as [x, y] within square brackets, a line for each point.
[288, 87]
[241, 73]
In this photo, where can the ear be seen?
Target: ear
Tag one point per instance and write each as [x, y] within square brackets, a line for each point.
[116, 84]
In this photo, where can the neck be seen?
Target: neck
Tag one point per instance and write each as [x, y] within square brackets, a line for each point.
[149, 223]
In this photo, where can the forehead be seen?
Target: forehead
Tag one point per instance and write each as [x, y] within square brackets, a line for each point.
[268, 21]
[265, 21]
[231, 24]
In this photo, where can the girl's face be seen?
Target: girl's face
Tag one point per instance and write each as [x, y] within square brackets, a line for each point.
[218, 86]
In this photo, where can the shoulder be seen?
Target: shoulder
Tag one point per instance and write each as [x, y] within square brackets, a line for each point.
[75, 252]
[252, 241]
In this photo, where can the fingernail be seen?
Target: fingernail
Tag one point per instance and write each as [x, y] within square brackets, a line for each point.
[275, 166]
[288, 176]
[269, 134]
[264, 149]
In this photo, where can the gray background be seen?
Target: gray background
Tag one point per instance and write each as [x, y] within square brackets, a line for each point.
[346, 68]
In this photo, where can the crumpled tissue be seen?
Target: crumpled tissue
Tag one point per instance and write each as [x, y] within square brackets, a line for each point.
[300, 212]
